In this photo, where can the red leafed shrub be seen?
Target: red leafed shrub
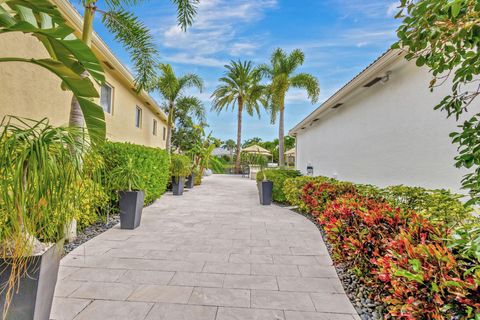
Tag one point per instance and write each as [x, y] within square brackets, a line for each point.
[361, 230]
[425, 279]
[406, 258]
[402, 258]
[317, 194]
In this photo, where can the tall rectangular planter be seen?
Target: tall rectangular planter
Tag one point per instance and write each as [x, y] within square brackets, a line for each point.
[177, 185]
[131, 206]
[189, 184]
[36, 287]
[265, 192]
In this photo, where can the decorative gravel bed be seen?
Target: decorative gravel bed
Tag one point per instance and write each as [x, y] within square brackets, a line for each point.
[91, 232]
[356, 291]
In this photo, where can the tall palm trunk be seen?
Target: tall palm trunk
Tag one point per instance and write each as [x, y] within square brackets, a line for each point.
[76, 115]
[171, 108]
[281, 135]
[239, 134]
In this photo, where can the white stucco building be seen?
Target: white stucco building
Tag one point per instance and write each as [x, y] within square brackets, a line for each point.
[381, 129]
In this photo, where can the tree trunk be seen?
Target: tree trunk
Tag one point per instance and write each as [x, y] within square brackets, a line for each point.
[281, 136]
[76, 115]
[239, 135]
[169, 126]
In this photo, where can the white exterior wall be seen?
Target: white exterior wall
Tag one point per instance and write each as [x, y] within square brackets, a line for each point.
[388, 134]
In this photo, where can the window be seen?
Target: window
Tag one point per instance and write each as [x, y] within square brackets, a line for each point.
[154, 127]
[106, 98]
[164, 133]
[138, 117]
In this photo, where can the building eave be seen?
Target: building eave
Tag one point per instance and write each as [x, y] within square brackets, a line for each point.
[364, 77]
[105, 54]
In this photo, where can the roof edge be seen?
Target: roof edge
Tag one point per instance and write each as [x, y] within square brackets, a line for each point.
[360, 79]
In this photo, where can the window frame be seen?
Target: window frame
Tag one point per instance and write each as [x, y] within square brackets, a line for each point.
[155, 127]
[138, 117]
[112, 90]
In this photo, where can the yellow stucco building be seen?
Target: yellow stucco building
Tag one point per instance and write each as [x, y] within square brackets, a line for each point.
[32, 92]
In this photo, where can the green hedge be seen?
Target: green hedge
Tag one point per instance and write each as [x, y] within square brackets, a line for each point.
[152, 163]
[437, 205]
[278, 177]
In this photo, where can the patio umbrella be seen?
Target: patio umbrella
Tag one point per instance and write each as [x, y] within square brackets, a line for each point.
[256, 149]
[290, 153]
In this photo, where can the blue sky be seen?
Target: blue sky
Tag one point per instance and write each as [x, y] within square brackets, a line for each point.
[339, 38]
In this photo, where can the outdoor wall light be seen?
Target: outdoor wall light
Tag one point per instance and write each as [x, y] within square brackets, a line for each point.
[386, 77]
[309, 170]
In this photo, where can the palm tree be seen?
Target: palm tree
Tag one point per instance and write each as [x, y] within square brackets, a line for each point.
[241, 86]
[282, 75]
[230, 145]
[134, 36]
[172, 88]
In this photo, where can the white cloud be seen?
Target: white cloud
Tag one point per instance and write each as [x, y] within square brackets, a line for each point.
[393, 9]
[354, 9]
[192, 59]
[243, 48]
[296, 95]
[215, 31]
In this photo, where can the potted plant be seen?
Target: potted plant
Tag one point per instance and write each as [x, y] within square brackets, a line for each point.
[126, 177]
[180, 167]
[190, 183]
[265, 187]
[40, 166]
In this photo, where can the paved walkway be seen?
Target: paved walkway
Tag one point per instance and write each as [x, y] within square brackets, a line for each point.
[213, 254]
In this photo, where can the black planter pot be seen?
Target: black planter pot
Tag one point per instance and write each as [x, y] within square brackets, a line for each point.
[190, 181]
[131, 206]
[177, 185]
[265, 191]
[36, 287]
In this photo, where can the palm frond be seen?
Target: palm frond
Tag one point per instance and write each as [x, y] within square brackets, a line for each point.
[309, 83]
[295, 59]
[120, 4]
[191, 80]
[167, 83]
[193, 107]
[186, 11]
[171, 86]
[138, 42]
[241, 81]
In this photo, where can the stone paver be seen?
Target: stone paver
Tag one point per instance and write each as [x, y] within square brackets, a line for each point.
[249, 314]
[212, 254]
[164, 311]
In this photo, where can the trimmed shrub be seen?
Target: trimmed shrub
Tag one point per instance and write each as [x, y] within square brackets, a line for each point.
[293, 187]
[180, 165]
[92, 200]
[316, 195]
[440, 206]
[278, 177]
[402, 242]
[88, 196]
[152, 164]
[425, 278]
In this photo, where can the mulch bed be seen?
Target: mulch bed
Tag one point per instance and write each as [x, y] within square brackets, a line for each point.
[91, 232]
